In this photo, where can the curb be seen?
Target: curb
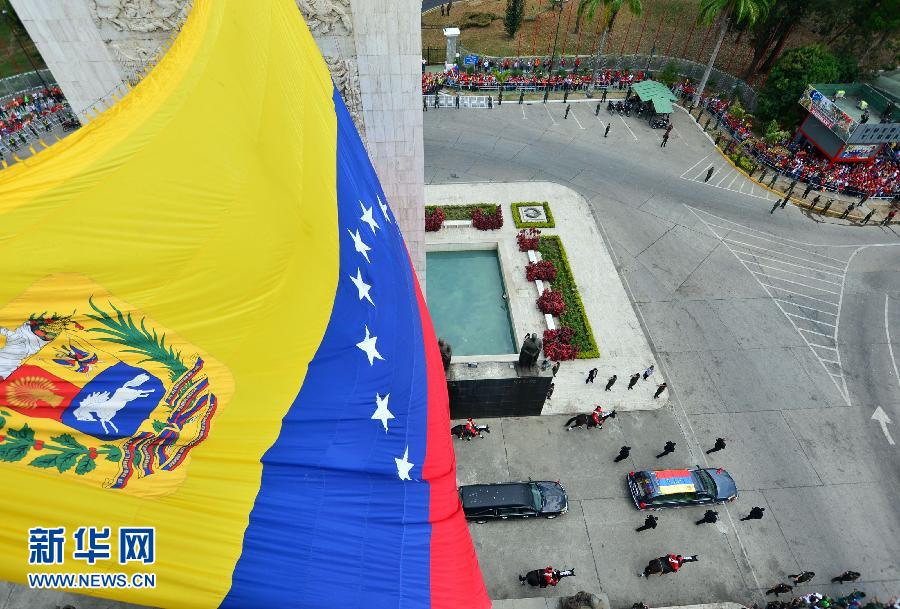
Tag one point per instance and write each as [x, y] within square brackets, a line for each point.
[797, 202]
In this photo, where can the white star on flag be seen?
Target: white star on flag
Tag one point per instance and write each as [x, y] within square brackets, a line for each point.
[367, 217]
[358, 244]
[381, 412]
[403, 465]
[362, 286]
[383, 207]
[368, 345]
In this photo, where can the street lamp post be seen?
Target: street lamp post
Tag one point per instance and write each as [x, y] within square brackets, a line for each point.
[12, 27]
[560, 4]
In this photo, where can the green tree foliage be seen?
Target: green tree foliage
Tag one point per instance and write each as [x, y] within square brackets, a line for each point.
[860, 27]
[515, 11]
[796, 69]
[775, 134]
[742, 13]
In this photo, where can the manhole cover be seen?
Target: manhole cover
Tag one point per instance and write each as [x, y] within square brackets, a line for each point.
[532, 213]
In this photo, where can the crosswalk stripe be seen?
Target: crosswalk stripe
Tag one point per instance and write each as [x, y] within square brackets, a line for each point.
[792, 264]
[800, 306]
[818, 321]
[819, 333]
[775, 268]
[736, 242]
[811, 287]
[799, 294]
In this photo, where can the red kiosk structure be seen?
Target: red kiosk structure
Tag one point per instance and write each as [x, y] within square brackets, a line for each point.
[849, 123]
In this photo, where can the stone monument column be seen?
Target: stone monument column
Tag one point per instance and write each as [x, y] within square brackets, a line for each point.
[452, 34]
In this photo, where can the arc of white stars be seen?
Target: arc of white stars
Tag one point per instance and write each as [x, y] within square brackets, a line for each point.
[367, 217]
[358, 244]
[368, 346]
[362, 286]
[381, 411]
[403, 465]
[384, 210]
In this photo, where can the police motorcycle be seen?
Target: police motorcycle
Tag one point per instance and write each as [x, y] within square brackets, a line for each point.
[548, 576]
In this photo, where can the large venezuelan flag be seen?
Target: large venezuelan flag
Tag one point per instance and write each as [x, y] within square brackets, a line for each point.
[210, 326]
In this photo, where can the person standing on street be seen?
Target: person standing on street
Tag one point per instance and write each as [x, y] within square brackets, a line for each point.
[550, 390]
[846, 211]
[623, 454]
[668, 449]
[868, 217]
[719, 445]
[659, 389]
[709, 173]
[555, 368]
[648, 372]
[779, 589]
[774, 207]
[710, 517]
[568, 107]
[606, 131]
[649, 523]
[806, 192]
[846, 576]
[443, 13]
[592, 374]
[611, 382]
[665, 139]
[634, 379]
[603, 99]
[597, 110]
[756, 513]
[802, 577]
[890, 216]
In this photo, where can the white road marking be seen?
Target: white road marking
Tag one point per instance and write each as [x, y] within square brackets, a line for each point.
[629, 128]
[576, 120]
[828, 302]
[775, 268]
[765, 249]
[830, 361]
[881, 416]
[812, 287]
[780, 261]
[887, 333]
[814, 332]
[524, 118]
[736, 176]
[550, 114]
[803, 307]
[818, 321]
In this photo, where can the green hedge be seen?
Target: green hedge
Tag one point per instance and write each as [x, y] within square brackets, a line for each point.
[551, 248]
[463, 212]
[520, 224]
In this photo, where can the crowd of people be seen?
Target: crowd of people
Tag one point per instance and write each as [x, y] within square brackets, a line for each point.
[802, 161]
[816, 600]
[29, 112]
[519, 75]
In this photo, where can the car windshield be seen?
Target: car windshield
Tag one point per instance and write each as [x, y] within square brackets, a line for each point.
[538, 498]
[708, 484]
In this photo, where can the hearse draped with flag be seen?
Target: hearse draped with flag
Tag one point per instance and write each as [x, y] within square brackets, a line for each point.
[665, 488]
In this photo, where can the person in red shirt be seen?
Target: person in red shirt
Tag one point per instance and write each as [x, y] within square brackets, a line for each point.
[597, 415]
[550, 578]
[470, 427]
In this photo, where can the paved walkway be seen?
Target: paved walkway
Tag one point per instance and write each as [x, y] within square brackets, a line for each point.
[623, 347]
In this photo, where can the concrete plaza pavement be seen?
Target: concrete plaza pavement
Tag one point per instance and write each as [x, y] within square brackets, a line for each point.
[777, 332]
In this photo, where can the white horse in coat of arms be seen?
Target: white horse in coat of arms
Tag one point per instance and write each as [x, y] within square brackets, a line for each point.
[105, 407]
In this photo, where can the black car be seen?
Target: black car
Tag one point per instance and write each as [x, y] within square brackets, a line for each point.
[483, 502]
[656, 489]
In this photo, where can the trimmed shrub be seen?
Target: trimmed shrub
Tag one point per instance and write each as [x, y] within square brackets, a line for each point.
[487, 219]
[543, 270]
[528, 239]
[551, 302]
[434, 219]
[517, 220]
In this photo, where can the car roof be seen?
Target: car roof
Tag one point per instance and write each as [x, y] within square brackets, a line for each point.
[508, 494]
[673, 481]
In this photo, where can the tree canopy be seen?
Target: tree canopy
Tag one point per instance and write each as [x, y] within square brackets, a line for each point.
[796, 69]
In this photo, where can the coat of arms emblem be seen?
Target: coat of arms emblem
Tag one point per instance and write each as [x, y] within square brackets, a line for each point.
[99, 392]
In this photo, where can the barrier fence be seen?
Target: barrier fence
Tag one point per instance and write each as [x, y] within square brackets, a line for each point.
[465, 101]
[24, 82]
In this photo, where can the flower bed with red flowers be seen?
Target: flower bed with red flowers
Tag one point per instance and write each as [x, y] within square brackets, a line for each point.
[434, 219]
[486, 220]
[557, 344]
[551, 302]
[528, 239]
[543, 270]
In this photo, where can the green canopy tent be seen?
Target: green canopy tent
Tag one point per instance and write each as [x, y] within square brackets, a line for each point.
[656, 93]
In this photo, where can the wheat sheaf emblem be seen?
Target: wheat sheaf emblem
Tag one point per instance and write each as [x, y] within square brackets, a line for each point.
[31, 391]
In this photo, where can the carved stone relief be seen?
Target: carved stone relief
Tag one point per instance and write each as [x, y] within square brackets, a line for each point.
[141, 16]
[327, 17]
[346, 78]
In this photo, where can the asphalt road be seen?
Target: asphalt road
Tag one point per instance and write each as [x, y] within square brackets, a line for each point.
[778, 332]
